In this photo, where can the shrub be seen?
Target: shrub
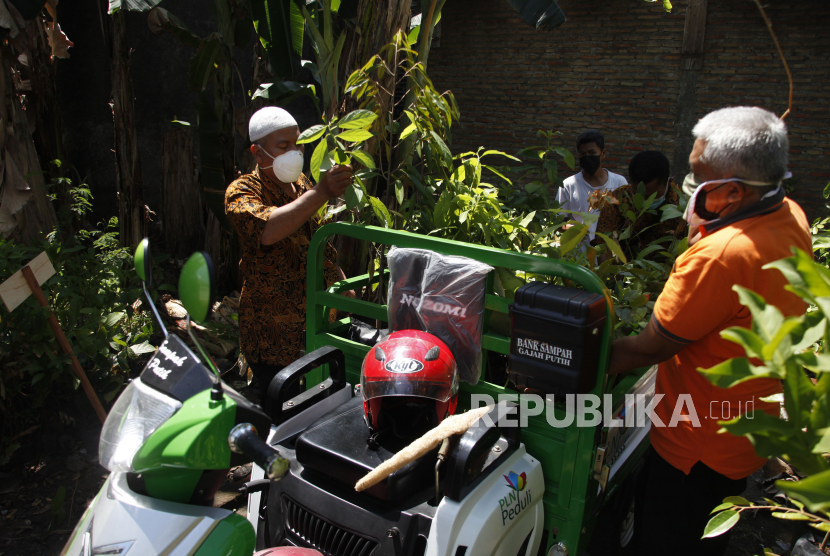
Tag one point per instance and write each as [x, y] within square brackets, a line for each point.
[93, 294]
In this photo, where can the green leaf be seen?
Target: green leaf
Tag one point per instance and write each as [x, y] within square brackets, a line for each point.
[737, 370]
[355, 135]
[413, 35]
[821, 526]
[357, 119]
[721, 523]
[317, 159]
[801, 271]
[669, 212]
[408, 130]
[328, 162]
[280, 26]
[572, 236]
[781, 343]
[381, 212]
[758, 422]
[311, 134]
[113, 318]
[285, 92]
[143, 347]
[799, 394]
[354, 196]
[813, 491]
[792, 516]
[650, 248]
[747, 339]
[443, 149]
[566, 155]
[399, 192]
[364, 158]
[737, 501]
[766, 319]
[614, 247]
[817, 363]
[720, 507]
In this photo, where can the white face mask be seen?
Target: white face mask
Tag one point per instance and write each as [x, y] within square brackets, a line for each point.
[287, 166]
[708, 217]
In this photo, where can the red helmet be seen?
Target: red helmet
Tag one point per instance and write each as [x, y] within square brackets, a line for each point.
[407, 380]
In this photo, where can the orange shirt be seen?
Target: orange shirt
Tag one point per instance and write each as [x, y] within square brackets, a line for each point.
[696, 304]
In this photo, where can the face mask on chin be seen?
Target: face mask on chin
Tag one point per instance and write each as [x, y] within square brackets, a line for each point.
[287, 166]
[697, 204]
[590, 163]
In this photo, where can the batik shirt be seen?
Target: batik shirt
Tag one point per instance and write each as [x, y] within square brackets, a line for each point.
[272, 306]
[648, 227]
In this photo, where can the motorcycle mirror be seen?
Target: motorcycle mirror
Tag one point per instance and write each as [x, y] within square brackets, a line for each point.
[144, 268]
[144, 262]
[197, 284]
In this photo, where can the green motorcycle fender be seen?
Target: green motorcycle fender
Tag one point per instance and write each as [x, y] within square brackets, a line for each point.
[233, 536]
[193, 440]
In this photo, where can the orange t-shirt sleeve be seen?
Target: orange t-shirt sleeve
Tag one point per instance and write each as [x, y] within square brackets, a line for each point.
[697, 299]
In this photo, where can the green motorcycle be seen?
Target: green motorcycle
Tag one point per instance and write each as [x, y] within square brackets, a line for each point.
[169, 441]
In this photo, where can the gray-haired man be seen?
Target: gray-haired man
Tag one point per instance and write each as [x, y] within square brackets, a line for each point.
[744, 221]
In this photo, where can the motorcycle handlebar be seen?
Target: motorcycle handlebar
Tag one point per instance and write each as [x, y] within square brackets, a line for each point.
[244, 439]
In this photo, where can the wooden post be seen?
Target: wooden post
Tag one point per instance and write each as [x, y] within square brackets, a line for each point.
[64, 343]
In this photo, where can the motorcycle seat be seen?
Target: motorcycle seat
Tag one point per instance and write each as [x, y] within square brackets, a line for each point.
[335, 445]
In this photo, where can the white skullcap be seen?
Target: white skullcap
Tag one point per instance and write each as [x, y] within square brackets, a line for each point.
[267, 120]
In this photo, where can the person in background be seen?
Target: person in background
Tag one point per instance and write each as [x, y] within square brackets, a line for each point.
[652, 170]
[273, 211]
[575, 190]
[745, 220]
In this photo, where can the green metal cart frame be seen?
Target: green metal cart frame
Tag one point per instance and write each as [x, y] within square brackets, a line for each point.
[566, 454]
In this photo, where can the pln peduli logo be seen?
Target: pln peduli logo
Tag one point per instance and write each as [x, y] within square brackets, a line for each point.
[515, 481]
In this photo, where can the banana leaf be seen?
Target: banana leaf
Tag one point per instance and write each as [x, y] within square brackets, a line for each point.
[131, 5]
[542, 14]
[279, 25]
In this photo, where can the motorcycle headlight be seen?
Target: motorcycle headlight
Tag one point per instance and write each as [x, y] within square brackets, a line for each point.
[137, 413]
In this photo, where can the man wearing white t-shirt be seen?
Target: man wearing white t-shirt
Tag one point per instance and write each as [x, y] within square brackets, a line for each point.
[573, 195]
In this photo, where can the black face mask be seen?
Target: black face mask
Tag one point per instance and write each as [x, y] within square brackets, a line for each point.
[700, 205]
[590, 163]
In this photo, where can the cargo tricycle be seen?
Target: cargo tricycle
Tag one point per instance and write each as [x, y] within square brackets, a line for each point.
[549, 487]
[544, 471]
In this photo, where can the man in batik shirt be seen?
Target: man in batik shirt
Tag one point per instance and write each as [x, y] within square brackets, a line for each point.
[273, 210]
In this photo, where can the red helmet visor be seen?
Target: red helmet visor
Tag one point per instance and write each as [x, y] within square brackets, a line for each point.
[376, 388]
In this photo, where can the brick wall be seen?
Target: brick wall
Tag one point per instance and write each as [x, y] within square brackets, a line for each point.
[615, 66]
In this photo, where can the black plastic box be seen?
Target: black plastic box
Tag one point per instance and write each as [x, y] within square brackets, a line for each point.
[555, 338]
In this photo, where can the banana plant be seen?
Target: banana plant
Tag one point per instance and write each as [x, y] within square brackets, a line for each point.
[328, 50]
[280, 27]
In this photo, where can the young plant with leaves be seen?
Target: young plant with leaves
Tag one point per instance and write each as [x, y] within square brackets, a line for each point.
[413, 130]
[339, 143]
[786, 347]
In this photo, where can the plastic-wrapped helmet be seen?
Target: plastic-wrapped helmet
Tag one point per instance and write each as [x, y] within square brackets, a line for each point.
[409, 379]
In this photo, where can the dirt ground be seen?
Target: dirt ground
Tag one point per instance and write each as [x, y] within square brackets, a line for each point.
[759, 530]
